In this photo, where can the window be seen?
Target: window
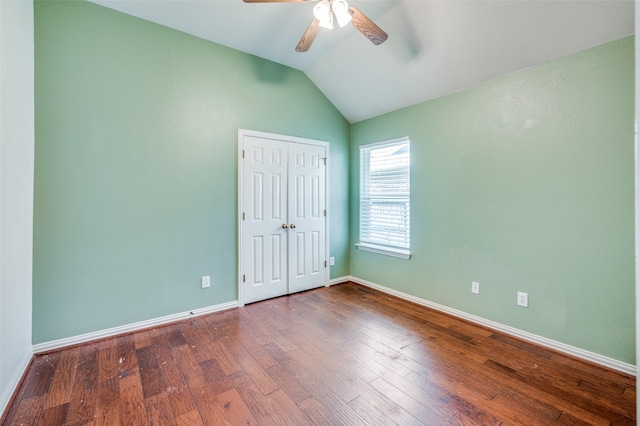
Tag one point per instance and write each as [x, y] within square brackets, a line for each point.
[385, 198]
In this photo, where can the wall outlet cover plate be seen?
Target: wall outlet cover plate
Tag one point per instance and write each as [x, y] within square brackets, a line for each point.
[206, 281]
[523, 299]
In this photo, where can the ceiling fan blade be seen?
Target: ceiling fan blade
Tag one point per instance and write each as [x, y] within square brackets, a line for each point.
[309, 35]
[367, 27]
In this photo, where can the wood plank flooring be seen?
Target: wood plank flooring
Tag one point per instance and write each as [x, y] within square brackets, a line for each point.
[345, 355]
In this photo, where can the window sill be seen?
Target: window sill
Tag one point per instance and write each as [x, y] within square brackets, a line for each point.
[387, 251]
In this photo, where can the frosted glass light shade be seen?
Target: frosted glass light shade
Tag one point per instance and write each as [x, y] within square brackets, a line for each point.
[322, 12]
[341, 9]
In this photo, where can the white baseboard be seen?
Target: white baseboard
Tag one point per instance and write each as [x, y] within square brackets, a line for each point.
[83, 338]
[339, 280]
[595, 358]
[14, 382]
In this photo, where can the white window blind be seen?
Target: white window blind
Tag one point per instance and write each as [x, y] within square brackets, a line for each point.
[385, 197]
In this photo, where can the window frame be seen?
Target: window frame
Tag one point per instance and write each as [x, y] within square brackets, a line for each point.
[372, 246]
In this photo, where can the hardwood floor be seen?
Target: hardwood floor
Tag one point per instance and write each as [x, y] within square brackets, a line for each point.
[340, 355]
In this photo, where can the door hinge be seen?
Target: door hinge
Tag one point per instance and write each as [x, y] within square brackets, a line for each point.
[325, 160]
[243, 278]
[325, 213]
[242, 215]
[325, 263]
[243, 153]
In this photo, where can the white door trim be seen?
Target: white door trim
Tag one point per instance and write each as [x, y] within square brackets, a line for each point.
[284, 138]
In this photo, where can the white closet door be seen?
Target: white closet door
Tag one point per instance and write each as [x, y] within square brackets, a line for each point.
[306, 217]
[283, 245]
[264, 257]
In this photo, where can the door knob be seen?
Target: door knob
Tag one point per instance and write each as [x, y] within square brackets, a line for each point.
[292, 226]
[285, 226]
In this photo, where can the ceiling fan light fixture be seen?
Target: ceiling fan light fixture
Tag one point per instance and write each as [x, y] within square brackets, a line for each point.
[322, 12]
[341, 10]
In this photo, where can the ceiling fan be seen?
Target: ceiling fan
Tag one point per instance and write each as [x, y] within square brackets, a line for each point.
[323, 16]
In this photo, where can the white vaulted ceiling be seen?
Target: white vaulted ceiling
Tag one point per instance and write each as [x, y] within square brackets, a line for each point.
[434, 47]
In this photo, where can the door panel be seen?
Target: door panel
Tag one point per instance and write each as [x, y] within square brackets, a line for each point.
[307, 188]
[264, 239]
[258, 260]
[276, 258]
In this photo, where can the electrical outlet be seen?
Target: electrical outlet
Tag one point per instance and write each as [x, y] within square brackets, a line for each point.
[332, 261]
[475, 287]
[206, 281]
[523, 299]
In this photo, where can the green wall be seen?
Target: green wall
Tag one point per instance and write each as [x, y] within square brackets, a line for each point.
[523, 183]
[136, 165]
